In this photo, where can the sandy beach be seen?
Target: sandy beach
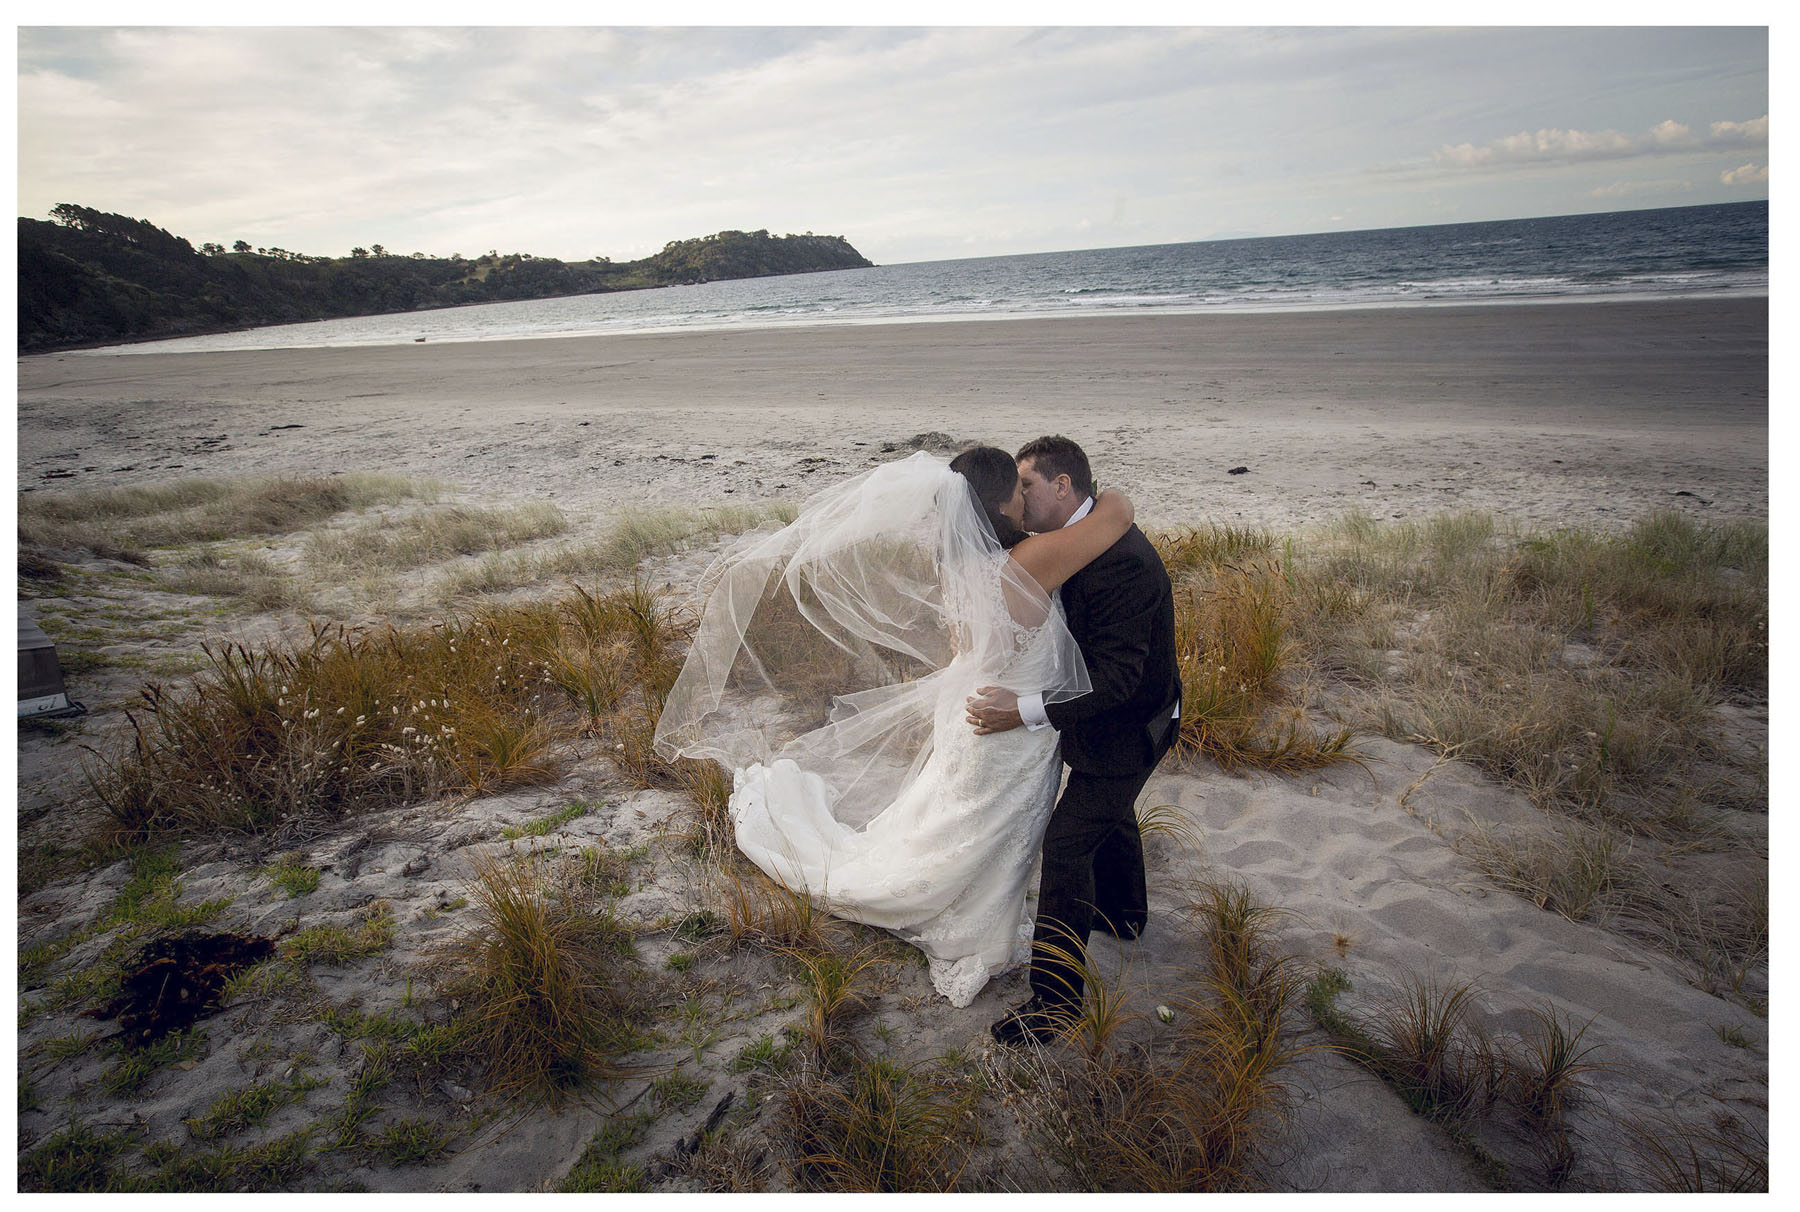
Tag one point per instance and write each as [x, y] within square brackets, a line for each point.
[1582, 413]
[1589, 414]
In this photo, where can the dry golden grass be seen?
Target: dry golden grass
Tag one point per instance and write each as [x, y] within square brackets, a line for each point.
[1667, 1153]
[270, 739]
[432, 535]
[546, 977]
[757, 911]
[879, 1125]
[1583, 667]
[248, 576]
[636, 535]
[128, 520]
[1596, 672]
[1189, 1105]
[1574, 870]
[1243, 697]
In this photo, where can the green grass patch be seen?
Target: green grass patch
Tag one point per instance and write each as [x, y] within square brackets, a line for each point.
[333, 944]
[292, 876]
[249, 1107]
[546, 824]
[601, 1168]
[77, 1158]
[133, 1067]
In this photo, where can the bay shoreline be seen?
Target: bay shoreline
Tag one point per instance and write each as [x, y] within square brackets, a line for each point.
[1584, 412]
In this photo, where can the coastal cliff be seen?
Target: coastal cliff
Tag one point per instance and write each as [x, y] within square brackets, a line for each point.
[91, 278]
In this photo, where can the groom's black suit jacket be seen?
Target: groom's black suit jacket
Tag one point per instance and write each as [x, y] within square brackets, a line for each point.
[1121, 610]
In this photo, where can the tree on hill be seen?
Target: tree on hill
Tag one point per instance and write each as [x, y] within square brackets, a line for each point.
[88, 277]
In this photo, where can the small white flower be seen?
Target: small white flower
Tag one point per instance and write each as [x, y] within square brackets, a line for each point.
[1165, 1014]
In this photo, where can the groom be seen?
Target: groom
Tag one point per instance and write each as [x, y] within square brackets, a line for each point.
[1121, 612]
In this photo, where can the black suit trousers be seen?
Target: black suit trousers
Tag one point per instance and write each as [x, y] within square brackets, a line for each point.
[1093, 876]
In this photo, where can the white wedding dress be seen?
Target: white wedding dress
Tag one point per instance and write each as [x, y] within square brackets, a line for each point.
[947, 866]
[891, 811]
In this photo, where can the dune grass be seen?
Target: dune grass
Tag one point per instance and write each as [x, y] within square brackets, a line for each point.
[250, 577]
[1184, 1099]
[297, 739]
[429, 536]
[1582, 667]
[126, 521]
[635, 535]
[1242, 666]
[547, 978]
[355, 720]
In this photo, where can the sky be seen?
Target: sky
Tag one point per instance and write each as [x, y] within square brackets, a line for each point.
[916, 144]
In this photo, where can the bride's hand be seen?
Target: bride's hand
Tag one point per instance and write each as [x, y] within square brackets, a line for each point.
[1116, 502]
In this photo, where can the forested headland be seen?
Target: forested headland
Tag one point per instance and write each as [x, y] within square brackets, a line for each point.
[89, 278]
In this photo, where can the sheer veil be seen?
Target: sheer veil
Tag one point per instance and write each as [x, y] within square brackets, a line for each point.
[837, 640]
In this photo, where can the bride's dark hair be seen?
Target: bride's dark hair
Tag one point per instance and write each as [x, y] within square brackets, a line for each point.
[993, 474]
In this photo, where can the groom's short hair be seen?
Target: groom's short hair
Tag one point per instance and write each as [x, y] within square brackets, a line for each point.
[1056, 455]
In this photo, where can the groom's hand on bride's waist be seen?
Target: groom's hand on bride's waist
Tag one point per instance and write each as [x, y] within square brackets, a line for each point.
[994, 709]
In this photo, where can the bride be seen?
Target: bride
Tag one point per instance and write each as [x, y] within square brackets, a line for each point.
[830, 672]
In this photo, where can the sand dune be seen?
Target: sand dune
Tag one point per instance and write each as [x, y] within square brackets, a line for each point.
[1579, 413]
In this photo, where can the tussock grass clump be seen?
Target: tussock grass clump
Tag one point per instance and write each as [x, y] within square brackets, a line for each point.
[1432, 1051]
[1668, 1153]
[546, 973]
[879, 1124]
[1424, 1038]
[255, 579]
[1544, 1068]
[273, 739]
[1189, 1102]
[757, 911]
[1581, 666]
[835, 994]
[1242, 702]
[431, 535]
[127, 520]
[1577, 871]
[637, 535]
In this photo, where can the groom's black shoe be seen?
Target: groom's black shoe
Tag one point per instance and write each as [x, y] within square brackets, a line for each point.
[1037, 1021]
[1126, 928]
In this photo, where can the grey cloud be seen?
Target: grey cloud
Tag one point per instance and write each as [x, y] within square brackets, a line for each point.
[1571, 146]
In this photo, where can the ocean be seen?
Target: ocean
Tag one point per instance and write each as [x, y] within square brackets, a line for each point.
[1678, 252]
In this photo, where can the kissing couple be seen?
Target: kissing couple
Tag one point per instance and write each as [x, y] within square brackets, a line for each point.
[896, 679]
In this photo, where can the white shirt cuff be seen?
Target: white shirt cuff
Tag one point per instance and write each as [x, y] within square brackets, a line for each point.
[1031, 710]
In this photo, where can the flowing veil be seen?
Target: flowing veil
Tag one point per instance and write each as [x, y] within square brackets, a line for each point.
[834, 640]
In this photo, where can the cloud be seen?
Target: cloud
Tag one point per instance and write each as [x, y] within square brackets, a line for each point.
[1754, 131]
[1557, 146]
[1745, 174]
[1629, 189]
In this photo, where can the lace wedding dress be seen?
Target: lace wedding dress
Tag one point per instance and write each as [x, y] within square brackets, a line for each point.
[890, 811]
